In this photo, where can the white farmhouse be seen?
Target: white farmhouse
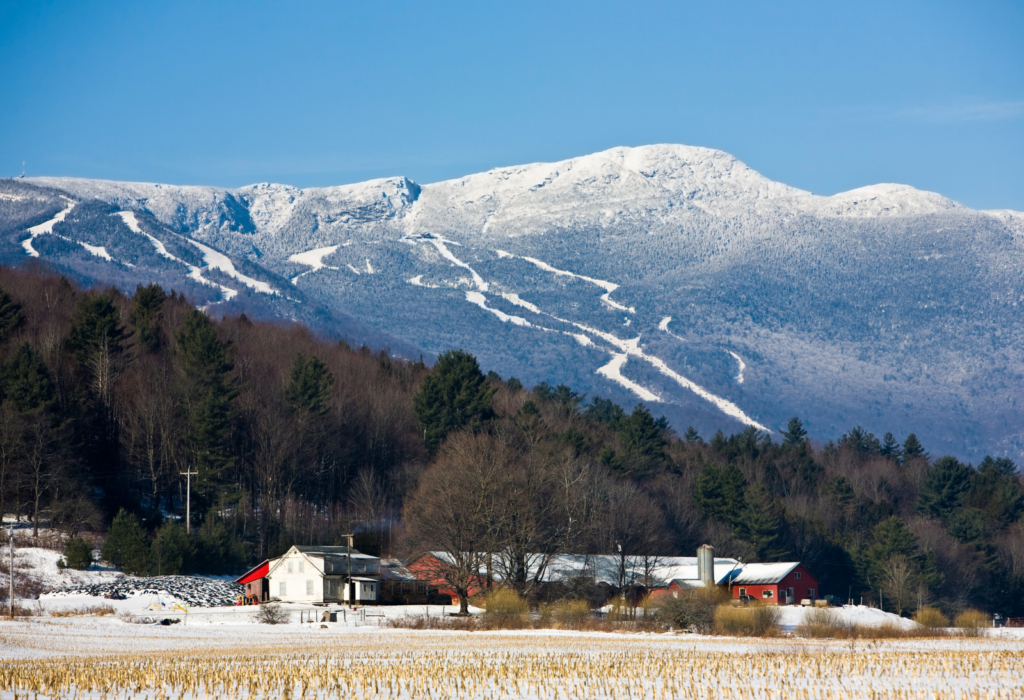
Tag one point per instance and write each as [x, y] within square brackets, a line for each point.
[320, 574]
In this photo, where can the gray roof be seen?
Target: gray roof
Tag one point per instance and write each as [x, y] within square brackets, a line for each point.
[332, 551]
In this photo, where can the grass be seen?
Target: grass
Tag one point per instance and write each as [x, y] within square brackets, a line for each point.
[931, 618]
[972, 623]
[85, 611]
[748, 621]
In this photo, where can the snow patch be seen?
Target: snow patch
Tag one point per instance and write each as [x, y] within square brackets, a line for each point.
[314, 259]
[743, 366]
[515, 299]
[97, 250]
[369, 267]
[613, 371]
[45, 228]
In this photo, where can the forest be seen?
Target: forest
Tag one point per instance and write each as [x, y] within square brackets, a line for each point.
[107, 400]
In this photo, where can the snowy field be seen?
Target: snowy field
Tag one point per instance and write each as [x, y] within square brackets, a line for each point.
[110, 658]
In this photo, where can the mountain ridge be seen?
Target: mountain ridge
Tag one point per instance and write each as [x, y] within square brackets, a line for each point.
[878, 305]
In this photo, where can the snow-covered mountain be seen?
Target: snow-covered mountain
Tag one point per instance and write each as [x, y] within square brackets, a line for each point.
[668, 274]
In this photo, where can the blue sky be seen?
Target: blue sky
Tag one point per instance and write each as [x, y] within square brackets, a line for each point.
[823, 96]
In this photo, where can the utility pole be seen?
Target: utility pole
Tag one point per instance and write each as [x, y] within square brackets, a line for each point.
[348, 556]
[188, 498]
[10, 573]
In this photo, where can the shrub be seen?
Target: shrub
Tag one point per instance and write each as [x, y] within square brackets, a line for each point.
[971, 623]
[823, 623]
[752, 621]
[570, 614]
[271, 614]
[690, 611]
[505, 607]
[172, 551]
[77, 554]
[931, 618]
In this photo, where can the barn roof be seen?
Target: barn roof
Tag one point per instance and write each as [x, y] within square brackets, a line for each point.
[764, 573]
[255, 573]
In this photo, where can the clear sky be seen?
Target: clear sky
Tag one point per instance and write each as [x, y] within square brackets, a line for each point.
[819, 95]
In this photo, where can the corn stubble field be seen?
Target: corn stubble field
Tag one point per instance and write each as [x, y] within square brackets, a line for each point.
[110, 661]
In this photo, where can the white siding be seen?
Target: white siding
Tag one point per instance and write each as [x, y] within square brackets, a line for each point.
[302, 577]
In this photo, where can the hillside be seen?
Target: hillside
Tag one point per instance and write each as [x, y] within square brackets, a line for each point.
[667, 274]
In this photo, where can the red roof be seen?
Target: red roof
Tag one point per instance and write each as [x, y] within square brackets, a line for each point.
[254, 574]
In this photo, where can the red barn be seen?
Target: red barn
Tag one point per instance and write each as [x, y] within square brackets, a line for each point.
[431, 566]
[255, 582]
[784, 583]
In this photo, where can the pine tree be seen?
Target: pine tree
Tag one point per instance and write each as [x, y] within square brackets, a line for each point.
[643, 440]
[891, 448]
[944, 488]
[759, 524]
[96, 327]
[10, 315]
[455, 394]
[912, 448]
[27, 381]
[147, 305]
[205, 366]
[719, 492]
[126, 545]
[794, 433]
[172, 551]
[309, 385]
[691, 436]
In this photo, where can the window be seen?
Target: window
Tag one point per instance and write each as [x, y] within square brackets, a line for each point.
[291, 567]
[810, 592]
[797, 575]
[743, 592]
[766, 593]
[309, 587]
[282, 589]
[302, 567]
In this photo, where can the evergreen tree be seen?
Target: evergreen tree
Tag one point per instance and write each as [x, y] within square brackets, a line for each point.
[455, 394]
[126, 545]
[891, 448]
[171, 552]
[309, 385]
[147, 306]
[27, 381]
[691, 436]
[205, 365]
[944, 487]
[643, 440]
[604, 411]
[77, 554]
[996, 490]
[759, 524]
[10, 315]
[891, 537]
[719, 492]
[912, 448]
[794, 433]
[96, 328]
[861, 440]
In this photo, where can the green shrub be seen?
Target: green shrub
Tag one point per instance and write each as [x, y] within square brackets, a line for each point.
[77, 554]
[172, 551]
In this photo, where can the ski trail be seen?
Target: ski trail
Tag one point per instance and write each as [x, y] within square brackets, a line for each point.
[100, 252]
[46, 228]
[439, 243]
[609, 287]
[313, 259]
[481, 301]
[613, 371]
[193, 272]
[743, 366]
[218, 261]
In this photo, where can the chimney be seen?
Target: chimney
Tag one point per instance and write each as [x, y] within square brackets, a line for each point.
[706, 565]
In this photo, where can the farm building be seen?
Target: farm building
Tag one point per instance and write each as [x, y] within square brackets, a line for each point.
[255, 582]
[783, 583]
[324, 575]
[401, 586]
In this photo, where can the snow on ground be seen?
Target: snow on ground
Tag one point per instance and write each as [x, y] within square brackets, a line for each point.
[439, 243]
[193, 272]
[219, 261]
[743, 366]
[481, 301]
[40, 566]
[45, 228]
[794, 615]
[613, 371]
[609, 287]
[313, 259]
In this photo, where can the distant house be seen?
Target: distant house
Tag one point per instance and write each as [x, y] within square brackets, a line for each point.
[783, 583]
[306, 574]
[400, 586]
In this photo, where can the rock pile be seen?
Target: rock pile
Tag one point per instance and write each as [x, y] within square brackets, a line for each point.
[196, 591]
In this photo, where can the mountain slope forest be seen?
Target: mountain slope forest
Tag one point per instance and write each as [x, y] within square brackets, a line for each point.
[108, 398]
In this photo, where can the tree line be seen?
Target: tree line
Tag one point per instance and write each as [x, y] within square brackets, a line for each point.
[107, 399]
